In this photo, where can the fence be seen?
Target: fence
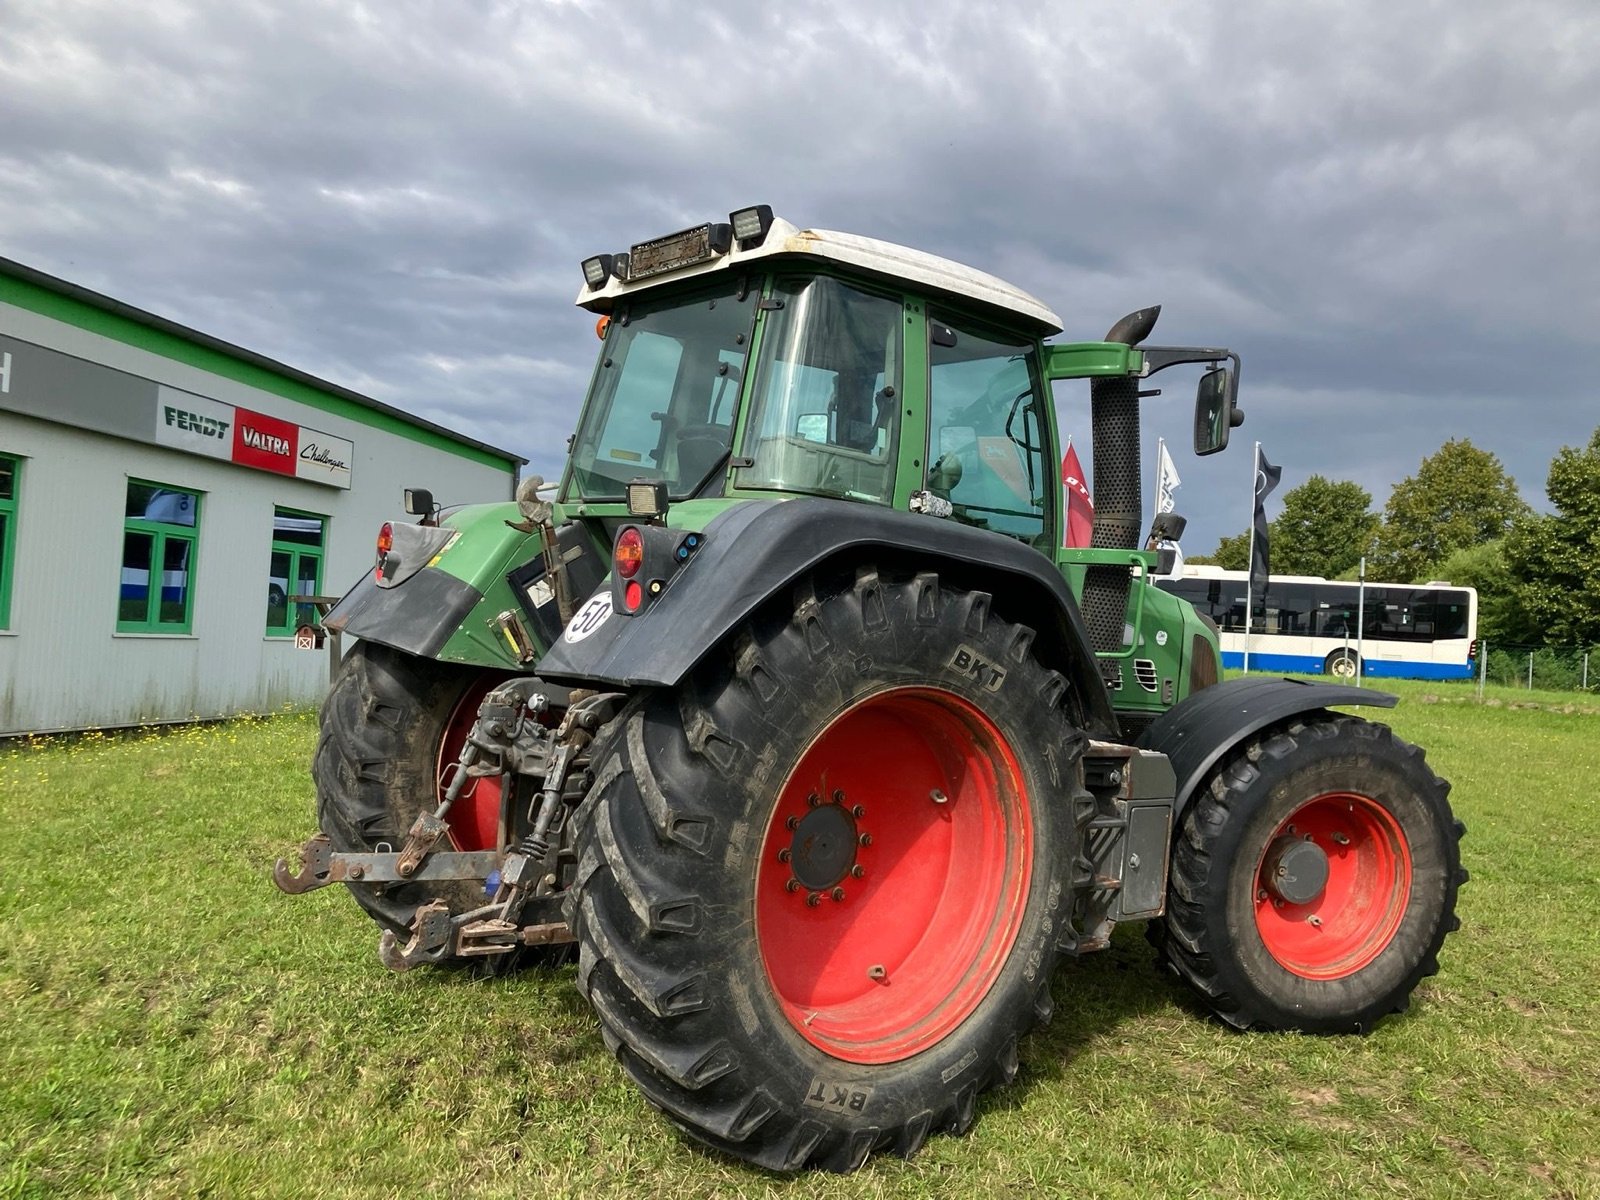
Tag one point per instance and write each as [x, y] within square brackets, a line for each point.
[1547, 668]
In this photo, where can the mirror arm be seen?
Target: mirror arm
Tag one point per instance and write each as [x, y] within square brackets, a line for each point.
[1159, 358]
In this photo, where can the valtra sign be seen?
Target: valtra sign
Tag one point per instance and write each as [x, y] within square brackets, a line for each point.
[200, 425]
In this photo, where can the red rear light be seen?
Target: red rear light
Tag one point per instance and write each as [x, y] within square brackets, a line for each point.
[632, 596]
[629, 553]
[385, 544]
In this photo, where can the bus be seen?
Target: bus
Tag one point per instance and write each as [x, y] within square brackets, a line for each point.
[1308, 625]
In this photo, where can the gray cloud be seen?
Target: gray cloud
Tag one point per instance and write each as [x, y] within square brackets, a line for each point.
[1387, 209]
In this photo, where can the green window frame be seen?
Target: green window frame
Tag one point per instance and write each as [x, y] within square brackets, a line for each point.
[160, 540]
[294, 569]
[10, 478]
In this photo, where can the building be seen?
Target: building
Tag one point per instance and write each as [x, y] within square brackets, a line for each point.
[165, 496]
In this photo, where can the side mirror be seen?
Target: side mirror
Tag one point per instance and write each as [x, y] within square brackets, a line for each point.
[419, 502]
[1215, 410]
[945, 475]
[812, 427]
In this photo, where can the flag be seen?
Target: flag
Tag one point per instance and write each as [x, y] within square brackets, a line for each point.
[1267, 477]
[1080, 508]
[1167, 482]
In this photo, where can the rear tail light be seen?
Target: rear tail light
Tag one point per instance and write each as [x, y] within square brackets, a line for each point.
[385, 544]
[628, 553]
[632, 596]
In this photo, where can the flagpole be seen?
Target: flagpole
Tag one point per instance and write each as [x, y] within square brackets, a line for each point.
[1249, 571]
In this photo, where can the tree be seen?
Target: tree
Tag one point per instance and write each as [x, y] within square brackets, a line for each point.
[1460, 496]
[1501, 617]
[1324, 529]
[1556, 558]
[1233, 553]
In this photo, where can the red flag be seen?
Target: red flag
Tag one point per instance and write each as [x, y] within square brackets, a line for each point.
[1080, 508]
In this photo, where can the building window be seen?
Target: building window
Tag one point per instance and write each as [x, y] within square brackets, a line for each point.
[10, 469]
[159, 533]
[296, 569]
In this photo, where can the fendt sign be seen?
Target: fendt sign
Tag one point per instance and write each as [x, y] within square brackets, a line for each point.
[73, 391]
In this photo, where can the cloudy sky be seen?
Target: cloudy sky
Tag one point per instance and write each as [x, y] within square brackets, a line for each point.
[1390, 210]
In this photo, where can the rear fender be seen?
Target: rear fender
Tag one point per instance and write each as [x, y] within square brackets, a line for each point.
[755, 551]
[1196, 734]
[446, 607]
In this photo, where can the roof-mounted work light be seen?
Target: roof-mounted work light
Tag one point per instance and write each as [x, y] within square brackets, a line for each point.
[750, 225]
[597, 269]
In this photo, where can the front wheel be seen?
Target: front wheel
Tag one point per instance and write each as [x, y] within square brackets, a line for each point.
[1314, 878]
[1342, 664]
[821, 887]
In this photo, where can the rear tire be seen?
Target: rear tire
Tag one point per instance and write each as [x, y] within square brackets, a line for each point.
[797, 951]
[388, 724]
[1314, 878]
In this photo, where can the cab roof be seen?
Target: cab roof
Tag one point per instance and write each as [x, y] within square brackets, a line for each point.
[918, 270]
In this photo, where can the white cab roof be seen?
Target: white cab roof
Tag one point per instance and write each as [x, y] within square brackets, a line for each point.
[923, 272]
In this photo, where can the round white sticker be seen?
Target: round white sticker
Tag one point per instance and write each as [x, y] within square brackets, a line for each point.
[590, 617]
[1161, 637]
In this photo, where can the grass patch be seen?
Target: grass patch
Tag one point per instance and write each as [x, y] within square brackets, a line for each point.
[175, 1026]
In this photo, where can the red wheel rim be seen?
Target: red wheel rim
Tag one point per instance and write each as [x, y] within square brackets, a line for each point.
[474, 818]
[889, 957]
[1355, 915]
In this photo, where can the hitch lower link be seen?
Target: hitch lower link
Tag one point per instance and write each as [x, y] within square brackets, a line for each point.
[504, 740]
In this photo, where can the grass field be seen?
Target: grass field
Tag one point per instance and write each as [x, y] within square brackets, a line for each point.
[175, 1026]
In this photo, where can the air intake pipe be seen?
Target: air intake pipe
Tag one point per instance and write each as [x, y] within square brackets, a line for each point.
[1118, 498]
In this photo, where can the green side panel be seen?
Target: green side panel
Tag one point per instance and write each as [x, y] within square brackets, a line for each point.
[485, 549]
[1083, 360]
[169, 345]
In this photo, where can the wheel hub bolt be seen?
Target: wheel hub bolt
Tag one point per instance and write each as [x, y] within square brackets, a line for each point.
[793, 885]
[784, 855]
[813, 800]
[838, 795]
[865, 839]
[792, 823]
[837, 894]
[858, 812]
[814, 899]
[858, 871]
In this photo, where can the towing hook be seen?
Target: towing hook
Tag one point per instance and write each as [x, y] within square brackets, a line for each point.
[316, 857]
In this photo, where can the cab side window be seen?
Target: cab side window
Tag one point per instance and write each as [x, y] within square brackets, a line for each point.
[986, 450]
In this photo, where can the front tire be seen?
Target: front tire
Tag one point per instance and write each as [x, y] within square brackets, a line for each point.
[1342, 664]
[1314, 878]
[821, 887]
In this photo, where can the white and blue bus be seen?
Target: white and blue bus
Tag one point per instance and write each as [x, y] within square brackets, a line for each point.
[1308, 625]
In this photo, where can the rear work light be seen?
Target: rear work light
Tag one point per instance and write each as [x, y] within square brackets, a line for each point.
[629, 553]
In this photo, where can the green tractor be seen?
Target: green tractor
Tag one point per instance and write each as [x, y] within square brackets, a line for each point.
[792, 712]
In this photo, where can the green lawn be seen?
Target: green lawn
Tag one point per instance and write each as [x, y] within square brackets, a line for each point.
[175, 1026]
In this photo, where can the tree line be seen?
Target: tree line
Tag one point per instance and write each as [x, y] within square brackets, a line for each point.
[1459, 518]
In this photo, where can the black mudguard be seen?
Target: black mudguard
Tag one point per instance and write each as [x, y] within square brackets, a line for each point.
[756, 550]
[1196, 734]
[418, 618]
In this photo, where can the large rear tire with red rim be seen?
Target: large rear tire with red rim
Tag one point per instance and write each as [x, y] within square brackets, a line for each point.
[821, 885]
[390, 725]
[1314, 878]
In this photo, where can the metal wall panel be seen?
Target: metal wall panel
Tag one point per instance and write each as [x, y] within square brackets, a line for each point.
[62, 663]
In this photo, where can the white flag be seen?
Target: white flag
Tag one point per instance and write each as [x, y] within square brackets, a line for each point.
[1167, 480]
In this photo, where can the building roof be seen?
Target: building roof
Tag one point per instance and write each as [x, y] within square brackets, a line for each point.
[172, 329]
[883, 259]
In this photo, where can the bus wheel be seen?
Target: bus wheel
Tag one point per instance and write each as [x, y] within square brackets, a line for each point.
[1344, 664]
